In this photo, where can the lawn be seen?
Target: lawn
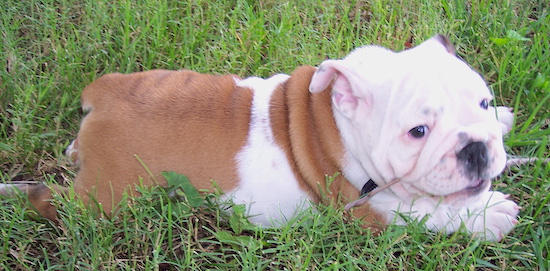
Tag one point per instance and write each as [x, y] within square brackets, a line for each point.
[52, 49]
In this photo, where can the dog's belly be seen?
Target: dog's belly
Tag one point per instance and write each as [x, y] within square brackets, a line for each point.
[267, 184]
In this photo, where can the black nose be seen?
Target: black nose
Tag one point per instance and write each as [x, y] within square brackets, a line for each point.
[474, 159]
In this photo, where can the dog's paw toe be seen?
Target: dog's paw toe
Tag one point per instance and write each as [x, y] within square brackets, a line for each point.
[496, 219]
[499, 224]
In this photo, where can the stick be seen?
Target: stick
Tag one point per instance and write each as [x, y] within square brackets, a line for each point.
[524, 160]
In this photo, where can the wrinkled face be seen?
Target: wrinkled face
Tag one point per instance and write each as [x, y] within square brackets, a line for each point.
[422, 116]
[443, 137]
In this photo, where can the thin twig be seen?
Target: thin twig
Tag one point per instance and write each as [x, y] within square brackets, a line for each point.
[524, 160]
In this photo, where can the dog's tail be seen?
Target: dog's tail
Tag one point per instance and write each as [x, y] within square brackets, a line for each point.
[39, 196]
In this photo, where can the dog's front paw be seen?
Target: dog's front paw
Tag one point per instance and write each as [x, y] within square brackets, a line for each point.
[505, 117]
[494, 217]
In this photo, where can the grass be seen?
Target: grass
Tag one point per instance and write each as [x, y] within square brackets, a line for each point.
[52, 49]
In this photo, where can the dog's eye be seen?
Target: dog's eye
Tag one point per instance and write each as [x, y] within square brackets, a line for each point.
[484, 104]
[419, 131]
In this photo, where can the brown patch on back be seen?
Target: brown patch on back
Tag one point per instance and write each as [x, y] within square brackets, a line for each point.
[180, 121]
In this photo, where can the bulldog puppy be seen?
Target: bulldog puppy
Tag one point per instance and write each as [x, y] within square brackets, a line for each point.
[419, 120]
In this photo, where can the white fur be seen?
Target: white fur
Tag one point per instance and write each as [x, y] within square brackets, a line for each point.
[379, 96]
[268, 186]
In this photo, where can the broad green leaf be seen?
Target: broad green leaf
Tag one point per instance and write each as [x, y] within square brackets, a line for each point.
[513, 35]
[500, 41]
[178, 183]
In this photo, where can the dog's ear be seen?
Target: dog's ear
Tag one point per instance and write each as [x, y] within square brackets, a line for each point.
[443, 40]
[344, 98]
[437, 43]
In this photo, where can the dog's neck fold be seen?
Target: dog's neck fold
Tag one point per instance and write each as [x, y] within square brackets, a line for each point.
[304, 126]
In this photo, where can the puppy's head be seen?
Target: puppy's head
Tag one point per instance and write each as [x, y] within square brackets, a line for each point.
[421, 115]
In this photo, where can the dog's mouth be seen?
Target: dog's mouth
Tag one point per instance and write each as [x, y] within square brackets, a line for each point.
[472, 190]
[475, 187]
